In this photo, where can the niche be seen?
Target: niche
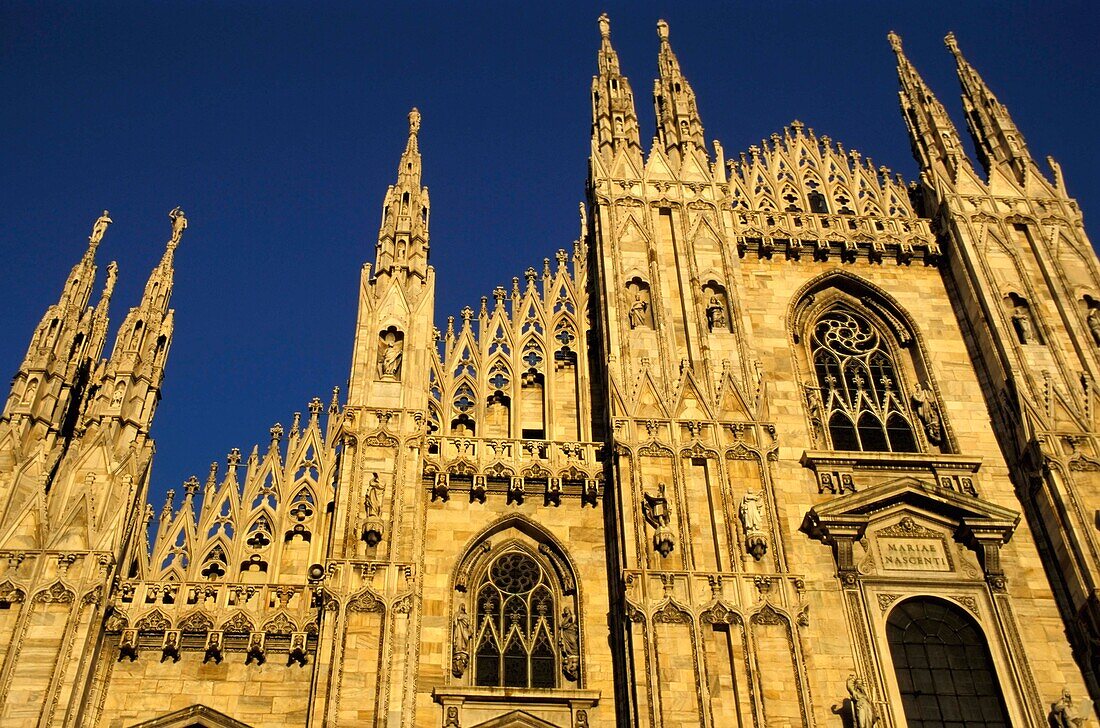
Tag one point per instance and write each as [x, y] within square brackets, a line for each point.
[638, 303]
[1023, 324]
[1092, 317]
[391, 350]
[717, 306]
[498, 415]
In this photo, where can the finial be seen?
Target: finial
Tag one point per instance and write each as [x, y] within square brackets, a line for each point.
[191, 486]
[414, 121]
[314, 409]
[212, 478]
[100, 227]
[951, 43]
[179, 224]
[895, 41]
[662, 30]
[605, 26]
[276, 433]
[334, 404]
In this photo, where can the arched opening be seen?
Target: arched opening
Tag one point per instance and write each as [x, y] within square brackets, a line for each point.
[943, 666]
[860, 384]
[515, 623]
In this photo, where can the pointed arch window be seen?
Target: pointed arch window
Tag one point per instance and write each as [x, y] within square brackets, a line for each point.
[514, 635]
[860, 385]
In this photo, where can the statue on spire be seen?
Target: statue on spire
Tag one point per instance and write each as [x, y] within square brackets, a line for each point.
[100, 227]
[179, 223]
[414, 121]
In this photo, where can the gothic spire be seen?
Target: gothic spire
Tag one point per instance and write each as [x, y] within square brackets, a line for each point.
[679, 129]
[931, 132]
[403, 237]
[614, 119]
[996, 138]
[49, 383]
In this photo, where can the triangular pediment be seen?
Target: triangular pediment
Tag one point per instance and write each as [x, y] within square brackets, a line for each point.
[516, 719]
[913, 493]
[195, 715]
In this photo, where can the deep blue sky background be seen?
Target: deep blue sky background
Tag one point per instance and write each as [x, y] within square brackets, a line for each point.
[277, 127]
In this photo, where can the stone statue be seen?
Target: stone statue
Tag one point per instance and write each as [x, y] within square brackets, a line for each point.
[461, 633]
[372, 501]
[390, 363]
[716, 313]
[751, 513]
[100, 227]
[637, 312]
[863, 708]
[655, 512]
[928, 412]
[1065, 713]
[569, 642]
[1093, 321]
[1021, 319]
[179, 223]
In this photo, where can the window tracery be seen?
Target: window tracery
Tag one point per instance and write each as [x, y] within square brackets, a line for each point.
[515, 630]
[860, 385]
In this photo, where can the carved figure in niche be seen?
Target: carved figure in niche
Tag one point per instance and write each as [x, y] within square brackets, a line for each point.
[179, 223]
[637, 312]
[863, 707]
[752, 518]
[389, 361]
[297, 651]
[655, 512]
[716, 313]
[1093, 321]
[928, 412]
[1021, 321]
[372, 501]
[461, 632]
[30, 392]
[116, 398]
[100, 227]
[569, 642]
[751, 513]
[1065, 713]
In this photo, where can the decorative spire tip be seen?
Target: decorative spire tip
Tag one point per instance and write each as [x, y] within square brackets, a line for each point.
[605, 26]
[895, 41]
[414, 121]
[662, 30]
[951, 43]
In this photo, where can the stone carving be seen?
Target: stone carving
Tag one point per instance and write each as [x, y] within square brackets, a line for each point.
[716, 313]
[257, 651]
[1065, 713]
[170, 649]
[928, 412]
[569, 642]
[655, 512]
[637, 314]
[862, 706]
[100, 227]
[451, 720]
[752, 517]
[213, 649]
[179, 223]
[1021, 320]
[389, 361]
[461, 632]
[372, 507]
[297, 651]
[128, 645]
[1093, 321]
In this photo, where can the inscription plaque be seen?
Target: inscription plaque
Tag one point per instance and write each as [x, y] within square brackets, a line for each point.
[913, 554]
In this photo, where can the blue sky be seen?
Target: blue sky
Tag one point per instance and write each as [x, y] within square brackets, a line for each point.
[277, 127]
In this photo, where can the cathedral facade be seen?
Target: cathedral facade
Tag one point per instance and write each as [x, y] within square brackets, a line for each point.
[780, 440]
